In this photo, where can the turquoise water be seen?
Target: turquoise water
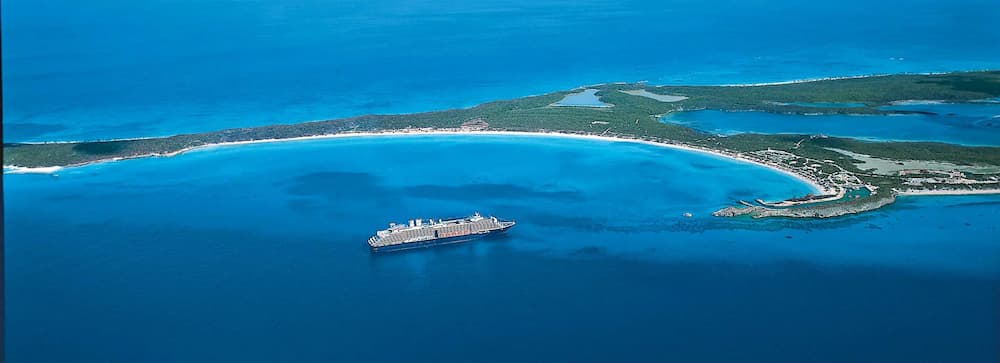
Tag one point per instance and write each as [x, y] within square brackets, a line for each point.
[257, 253]
[585, 98]
[101, 69]
[983, 115]
[967, 124]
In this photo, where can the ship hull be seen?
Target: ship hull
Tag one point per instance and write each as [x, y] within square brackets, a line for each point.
[441, 241]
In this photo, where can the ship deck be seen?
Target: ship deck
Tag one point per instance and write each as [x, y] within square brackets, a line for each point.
[434, 231]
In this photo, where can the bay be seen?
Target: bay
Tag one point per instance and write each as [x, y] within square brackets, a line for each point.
[257, 253]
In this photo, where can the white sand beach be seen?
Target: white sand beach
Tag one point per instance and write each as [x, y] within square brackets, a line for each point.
[431, 132]
[439, 132]
[22, 170]
[917, 102]
[10, 169]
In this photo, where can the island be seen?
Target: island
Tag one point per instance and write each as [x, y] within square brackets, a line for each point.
[849, 175]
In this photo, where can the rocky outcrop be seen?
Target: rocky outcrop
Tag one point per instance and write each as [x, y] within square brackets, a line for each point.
[824, 210]
[476, 124]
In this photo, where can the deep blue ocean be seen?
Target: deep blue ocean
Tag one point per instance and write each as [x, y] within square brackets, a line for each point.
[257, 253]
[103, 69]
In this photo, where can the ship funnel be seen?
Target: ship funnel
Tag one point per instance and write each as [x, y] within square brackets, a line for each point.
[420, 222]
[412, 223]
[392, 224]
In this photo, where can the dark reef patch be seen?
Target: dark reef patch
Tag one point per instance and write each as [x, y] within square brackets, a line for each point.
[703, 166]
[591, 251]
[18, 131]
[973, 204]
[488, 191]
[334, 184]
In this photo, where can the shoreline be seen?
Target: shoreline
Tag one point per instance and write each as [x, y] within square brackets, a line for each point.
[813, 184]
[902, 102]
[947, 192]
[834, 78]
[804, 80]
[12, 169]
[828, 178]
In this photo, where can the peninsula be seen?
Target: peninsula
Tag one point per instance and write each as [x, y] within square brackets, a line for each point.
[850, 175]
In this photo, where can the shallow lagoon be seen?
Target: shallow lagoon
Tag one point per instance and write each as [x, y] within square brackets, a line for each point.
[966, 124]
[77, 70]
[585, 98]
[252, 252]
[983, 114]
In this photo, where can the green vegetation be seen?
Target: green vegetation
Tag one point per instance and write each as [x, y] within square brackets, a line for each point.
[631, 115]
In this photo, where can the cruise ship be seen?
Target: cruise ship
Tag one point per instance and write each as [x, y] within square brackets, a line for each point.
[422, 233]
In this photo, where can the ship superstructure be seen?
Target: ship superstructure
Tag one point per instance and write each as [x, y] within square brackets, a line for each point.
[421, 233]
